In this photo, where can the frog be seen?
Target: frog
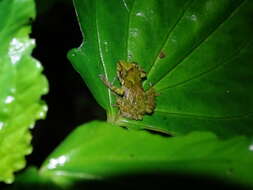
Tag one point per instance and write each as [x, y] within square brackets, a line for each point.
[132, 100]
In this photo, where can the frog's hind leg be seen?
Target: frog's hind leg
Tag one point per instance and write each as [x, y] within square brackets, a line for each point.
[124, 109]
[150, 100]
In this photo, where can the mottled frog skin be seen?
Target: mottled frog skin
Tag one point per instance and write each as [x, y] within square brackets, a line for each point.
[133, 102]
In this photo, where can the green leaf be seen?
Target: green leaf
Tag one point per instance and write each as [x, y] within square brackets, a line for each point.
[99, 150]
[21, 86]
[198, 56]
[30, 178]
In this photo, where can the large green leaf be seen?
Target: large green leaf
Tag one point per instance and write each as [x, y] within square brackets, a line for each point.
[99, 150]
[198, 56]
[21, 86]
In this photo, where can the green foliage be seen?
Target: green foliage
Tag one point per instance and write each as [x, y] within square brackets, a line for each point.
[99, 150]
[197, 55]
[21, 86]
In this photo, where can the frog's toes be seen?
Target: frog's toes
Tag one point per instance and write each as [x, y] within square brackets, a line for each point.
[139, 117]
[114, 80]
[157, 94]
[149, 109]
[101, 76]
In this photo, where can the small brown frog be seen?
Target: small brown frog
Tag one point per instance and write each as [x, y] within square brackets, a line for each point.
[133, 102]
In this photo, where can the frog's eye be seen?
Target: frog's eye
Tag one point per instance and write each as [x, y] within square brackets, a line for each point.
[119, 66]
[129, 66]
[143, 74]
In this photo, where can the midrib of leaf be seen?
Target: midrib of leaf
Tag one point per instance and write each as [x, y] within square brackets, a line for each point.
[125, 5]
[191, 51]
[101, 52]
[180, 115]
[206, 117]
[102, 60]
[212, 69]
[128, 29]
[143, 126]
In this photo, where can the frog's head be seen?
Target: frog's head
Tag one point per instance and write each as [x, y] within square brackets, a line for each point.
[124, 68]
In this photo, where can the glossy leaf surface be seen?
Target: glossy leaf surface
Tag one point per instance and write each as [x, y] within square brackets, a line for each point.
[197, 54]
[21, 86]
[100, 150]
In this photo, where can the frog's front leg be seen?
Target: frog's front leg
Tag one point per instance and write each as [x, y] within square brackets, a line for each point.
[119, 91]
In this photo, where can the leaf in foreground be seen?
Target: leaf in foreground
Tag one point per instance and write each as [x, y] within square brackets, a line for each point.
[21, 86]
[99, 150]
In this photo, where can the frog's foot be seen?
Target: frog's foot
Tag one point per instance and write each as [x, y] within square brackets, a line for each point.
[151, 92]
[139, 117]
[102, 77]
[126, 114]
[149, 109]
[129, 113]
[132, 116]
[105, 81]
[113, 80]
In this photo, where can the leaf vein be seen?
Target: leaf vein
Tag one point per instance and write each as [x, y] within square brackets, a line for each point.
[197, 116]
[101, 56]
[212, 69]
[201, 42]
[128, 28]
[167, 37]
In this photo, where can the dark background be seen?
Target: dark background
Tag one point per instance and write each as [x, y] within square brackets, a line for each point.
[69, 101]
